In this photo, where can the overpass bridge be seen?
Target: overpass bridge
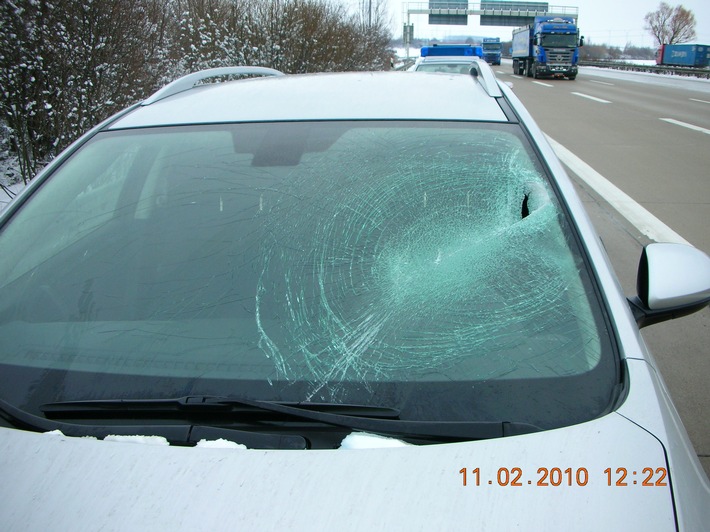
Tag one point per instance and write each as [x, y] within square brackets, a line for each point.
[492, 12]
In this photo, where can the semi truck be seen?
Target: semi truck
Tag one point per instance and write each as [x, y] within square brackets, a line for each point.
[491, 50]
[689, 55]
[549, 47]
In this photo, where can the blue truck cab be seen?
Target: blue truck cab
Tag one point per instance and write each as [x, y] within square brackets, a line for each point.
[547, 48]
[491, 50]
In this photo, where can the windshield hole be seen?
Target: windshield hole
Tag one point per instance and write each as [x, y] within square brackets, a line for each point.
[525, 211]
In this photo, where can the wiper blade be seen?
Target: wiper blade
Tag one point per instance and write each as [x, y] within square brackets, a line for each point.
[208, 403]
[181, 434]
[380, 420]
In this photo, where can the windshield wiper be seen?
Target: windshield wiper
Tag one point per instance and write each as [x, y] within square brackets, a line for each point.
[180, 434]
[375, 419]
[209, 403]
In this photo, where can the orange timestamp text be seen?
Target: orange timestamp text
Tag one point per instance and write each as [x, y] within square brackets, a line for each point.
[569, 476]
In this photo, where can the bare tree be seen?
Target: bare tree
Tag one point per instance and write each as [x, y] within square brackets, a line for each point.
[65, 66]
[373, 13]
[671, 25]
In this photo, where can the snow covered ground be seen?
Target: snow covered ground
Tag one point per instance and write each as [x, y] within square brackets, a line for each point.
[9, 175]
[8, 191]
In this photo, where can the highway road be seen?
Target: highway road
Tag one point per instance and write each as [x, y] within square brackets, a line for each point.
[649, 136]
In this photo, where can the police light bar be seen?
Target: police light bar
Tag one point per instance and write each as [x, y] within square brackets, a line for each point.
[448, 49]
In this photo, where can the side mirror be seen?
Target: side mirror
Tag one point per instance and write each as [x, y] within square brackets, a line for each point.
[673, 280]
[581, 41]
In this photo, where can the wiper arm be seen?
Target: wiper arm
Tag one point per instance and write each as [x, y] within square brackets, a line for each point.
[379, 420]
[181, 434]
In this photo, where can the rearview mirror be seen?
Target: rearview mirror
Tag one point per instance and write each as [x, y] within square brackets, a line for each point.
[673, 280]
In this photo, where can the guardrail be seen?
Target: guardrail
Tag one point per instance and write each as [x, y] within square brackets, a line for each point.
[656, 69]
[405, 64]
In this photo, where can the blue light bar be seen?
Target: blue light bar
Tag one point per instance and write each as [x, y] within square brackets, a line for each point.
[448, 49]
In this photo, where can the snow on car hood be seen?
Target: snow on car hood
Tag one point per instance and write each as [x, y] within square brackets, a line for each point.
[55, 482]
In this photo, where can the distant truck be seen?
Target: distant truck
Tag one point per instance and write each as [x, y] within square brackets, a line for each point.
[491, 50]
[689, 55]
[549, 47]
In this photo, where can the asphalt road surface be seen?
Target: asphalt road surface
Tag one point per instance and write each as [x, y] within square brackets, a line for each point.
[649, 136]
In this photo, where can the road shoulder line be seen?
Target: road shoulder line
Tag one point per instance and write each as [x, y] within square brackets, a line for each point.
[685, 124]
[624, 204]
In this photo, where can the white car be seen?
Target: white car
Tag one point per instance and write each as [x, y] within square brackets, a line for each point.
[444, 64]
[447, 58]
[352, 301]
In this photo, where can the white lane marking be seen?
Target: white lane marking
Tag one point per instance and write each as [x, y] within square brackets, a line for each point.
[543, 84]
[590, 97]
[639, 217]
[685, 124]
[601, 82]
[516, 76]
[696, 100]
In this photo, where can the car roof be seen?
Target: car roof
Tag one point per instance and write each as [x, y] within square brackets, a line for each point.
[325, 96]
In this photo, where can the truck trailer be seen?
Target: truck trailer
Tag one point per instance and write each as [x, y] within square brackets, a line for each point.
[689, 55]
[549, 47]
[491, 50]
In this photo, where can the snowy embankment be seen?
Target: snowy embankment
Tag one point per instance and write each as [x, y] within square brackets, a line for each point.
[9, 175]
[7, 192]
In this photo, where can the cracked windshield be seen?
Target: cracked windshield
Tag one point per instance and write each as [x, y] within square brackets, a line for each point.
[405, 264]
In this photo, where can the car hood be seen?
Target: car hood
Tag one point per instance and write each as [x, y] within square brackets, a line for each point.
[51, 481]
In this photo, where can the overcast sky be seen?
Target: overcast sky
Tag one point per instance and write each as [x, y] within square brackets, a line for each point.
[613, 22]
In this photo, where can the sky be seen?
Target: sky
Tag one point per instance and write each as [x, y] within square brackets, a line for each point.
[612, 22]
